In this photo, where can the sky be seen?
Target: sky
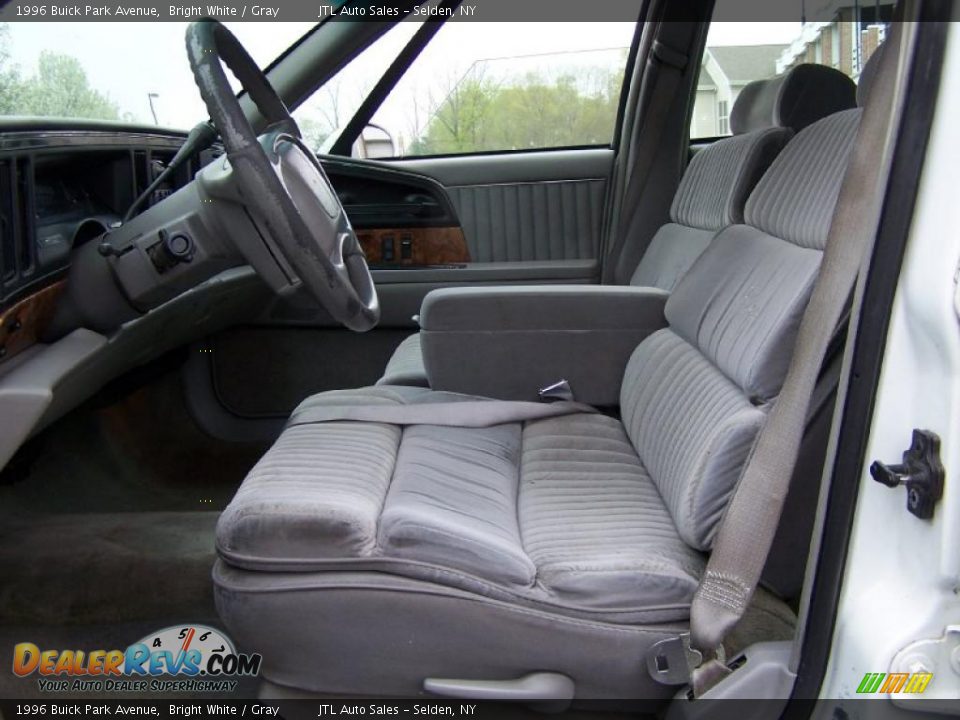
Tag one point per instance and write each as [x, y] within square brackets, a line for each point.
[128, 61]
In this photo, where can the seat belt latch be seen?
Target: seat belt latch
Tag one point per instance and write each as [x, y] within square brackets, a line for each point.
[558, 391]
[672, 661]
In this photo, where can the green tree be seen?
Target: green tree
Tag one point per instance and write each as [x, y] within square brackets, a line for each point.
[533, 111]
[314, 132]
[61, 89]
[463, 122]
[10, 85]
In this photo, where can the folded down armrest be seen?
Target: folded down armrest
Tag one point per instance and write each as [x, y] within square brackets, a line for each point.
[508, 342]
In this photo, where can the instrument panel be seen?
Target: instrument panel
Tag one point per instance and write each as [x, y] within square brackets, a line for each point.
[61, 188]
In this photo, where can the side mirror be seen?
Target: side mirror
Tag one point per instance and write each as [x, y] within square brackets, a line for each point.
[374, 142]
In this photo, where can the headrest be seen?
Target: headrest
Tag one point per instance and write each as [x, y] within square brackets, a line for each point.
[795, 99]
[869, 75]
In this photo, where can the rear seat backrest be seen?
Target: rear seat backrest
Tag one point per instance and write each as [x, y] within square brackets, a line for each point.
[695, 394]
[714, 189]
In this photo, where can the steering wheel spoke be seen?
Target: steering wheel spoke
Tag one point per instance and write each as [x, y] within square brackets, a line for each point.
[280, 180]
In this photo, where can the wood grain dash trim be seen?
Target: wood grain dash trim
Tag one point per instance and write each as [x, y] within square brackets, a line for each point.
[23, 324]
[414, 247]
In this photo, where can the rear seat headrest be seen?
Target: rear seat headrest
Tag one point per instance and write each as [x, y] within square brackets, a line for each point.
[795, 99]
[868, 75]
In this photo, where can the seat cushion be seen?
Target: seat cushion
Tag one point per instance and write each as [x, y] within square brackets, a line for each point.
[558, 512]
[453, 502]
[593, 521]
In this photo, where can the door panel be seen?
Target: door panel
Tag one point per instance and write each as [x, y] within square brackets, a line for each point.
[558, 220]
[538, 206]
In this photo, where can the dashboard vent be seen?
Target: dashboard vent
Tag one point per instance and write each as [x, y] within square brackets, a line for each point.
[8, 245]
[18, 251]
[26, 230]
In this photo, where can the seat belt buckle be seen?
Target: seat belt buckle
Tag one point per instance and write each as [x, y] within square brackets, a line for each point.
[558, 391]
[672, 661]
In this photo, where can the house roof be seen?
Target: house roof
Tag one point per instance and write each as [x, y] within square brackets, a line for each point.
[746, 63]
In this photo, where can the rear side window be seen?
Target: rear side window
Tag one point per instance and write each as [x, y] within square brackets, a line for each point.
[738, 53]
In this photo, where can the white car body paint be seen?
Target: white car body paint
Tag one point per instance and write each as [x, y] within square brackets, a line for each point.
[902, 575]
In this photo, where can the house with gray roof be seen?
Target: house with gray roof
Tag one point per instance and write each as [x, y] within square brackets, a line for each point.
[723, 73]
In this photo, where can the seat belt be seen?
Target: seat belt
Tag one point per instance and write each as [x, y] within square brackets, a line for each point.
[446, 412]
[671, 65]
[746, 535]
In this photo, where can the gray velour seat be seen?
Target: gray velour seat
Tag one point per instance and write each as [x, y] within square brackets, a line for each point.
[363, 557]
[714, 188]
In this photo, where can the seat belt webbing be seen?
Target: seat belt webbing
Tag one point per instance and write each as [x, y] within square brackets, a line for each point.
[744, 539]
[671, 64]
[463, 413]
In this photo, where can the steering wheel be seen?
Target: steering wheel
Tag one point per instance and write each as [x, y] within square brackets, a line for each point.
[281, 181]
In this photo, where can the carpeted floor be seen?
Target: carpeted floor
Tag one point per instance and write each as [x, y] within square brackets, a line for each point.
[127, 450]
[117, 567]
[107, 523]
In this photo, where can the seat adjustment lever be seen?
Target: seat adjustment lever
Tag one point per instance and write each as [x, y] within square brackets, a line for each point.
[553, 690]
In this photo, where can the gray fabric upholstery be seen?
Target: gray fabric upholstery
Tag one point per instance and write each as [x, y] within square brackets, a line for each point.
[550, 307]
[357, 633]
[562, 223]
[795, 198]
[711, 196]
[669, 255]
[278, 513]
[509, 342]
[560, 512]
[721, 176]
[795, 99]
[694, 396]
[745, 324]
[593, 521]
[693, 428]
[455, 489]
[712, 193]
[405, 366]
[466, 551]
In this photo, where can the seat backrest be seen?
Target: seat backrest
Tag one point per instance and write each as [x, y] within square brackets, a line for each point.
[695, 394]
[714, 189]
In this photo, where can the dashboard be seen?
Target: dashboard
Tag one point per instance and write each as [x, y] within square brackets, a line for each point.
[65, 185]
[61, 188]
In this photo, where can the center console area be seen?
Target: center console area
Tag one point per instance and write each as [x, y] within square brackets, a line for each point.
[510, 342]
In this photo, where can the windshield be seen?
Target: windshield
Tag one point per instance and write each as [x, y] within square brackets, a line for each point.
[124, 72]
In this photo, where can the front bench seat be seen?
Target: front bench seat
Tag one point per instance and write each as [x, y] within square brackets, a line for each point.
[714, 187]
[363, 558]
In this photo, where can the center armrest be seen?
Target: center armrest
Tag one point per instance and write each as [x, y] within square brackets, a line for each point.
[508, 342]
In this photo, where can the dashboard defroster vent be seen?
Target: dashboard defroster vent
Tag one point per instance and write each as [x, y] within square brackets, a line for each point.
[26, 248]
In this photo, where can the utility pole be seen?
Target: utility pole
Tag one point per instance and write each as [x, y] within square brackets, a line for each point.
[153, 111]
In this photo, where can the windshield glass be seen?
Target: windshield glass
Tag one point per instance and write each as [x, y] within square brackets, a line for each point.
[125, 72]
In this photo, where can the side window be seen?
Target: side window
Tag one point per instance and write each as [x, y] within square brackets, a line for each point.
[324, 114]
[738, 53]
[481, 87]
